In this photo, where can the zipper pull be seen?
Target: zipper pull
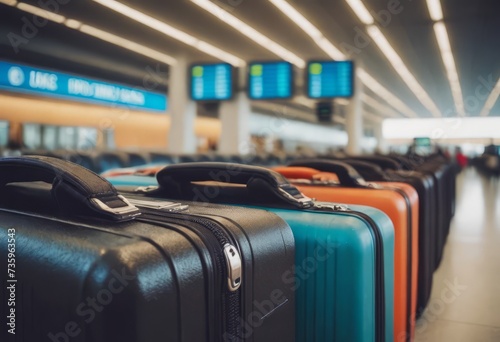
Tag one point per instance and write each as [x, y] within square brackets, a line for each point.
[233, 262]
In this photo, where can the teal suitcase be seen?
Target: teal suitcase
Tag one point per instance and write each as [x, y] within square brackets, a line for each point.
[344, 266]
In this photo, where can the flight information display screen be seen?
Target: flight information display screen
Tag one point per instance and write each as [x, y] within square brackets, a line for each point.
[330, 79]
[270, 80]
[211, 82]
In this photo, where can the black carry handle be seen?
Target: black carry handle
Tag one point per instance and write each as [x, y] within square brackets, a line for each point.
[385, 163]
[346, 174]
[367, 170]
[255, 178]
[76, 190]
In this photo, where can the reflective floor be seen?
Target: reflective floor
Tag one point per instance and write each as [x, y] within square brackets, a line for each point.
[465, 303]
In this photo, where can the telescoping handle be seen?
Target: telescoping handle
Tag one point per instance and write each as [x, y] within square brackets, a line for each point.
[347, 175]
[255, 178]
[75, 189]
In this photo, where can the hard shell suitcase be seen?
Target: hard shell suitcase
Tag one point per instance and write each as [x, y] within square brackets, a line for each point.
[427, 231]
[344, 256]
[439, 193]
[444, 175]
[402, 207]
[88, 267]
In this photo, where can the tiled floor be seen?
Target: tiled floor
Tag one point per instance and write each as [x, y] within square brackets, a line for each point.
[465, 303]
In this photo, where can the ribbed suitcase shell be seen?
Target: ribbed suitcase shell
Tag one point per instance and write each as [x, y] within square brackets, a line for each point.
[337, 302]
[406, 236]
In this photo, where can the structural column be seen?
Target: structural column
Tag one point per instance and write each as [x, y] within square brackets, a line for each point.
[354, 120]
[181, 136]
[379, 135]
[235, 120]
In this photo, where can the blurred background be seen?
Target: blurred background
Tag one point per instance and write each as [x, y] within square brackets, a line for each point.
[155, 80]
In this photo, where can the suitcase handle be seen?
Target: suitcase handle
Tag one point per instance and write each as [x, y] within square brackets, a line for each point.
[256, 178]
[75, 189]
[367, 170]
[299, 172]
[347, 175]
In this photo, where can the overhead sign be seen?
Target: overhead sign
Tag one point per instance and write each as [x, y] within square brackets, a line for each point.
[270, 80]
[211, 82]
[330, 79]
[25, 79]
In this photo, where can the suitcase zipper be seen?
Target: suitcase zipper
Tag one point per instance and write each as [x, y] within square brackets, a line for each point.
[228, 264]
[379, 264]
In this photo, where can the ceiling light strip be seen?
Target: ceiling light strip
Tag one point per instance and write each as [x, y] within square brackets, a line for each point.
[401, 68]
[41, 13]
[312, 31]
[361, 11]
[436, 14]
[336, 54]
[97, 33]
[74, 24]
[435, 10]
[9, 2]
[127, 44]
[171, 32]
[250, 32]
[449, 64]
[390, 98]
[491, 100]
[392, 56]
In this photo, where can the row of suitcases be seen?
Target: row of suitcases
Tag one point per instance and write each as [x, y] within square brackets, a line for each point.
[103, 160]
[225, 252]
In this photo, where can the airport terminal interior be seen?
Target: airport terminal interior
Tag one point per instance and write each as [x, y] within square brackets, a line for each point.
[379, 114]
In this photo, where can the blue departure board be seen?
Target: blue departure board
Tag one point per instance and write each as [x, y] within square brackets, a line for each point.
[211, 82]
[21, 78]
[270, 80]
[330, 79]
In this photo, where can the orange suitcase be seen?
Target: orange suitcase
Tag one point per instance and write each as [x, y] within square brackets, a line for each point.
[398, 200]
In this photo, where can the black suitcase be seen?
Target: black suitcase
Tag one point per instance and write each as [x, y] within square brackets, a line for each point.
[444, 178]
[81, 265]
[441, 200]
[424, 185]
